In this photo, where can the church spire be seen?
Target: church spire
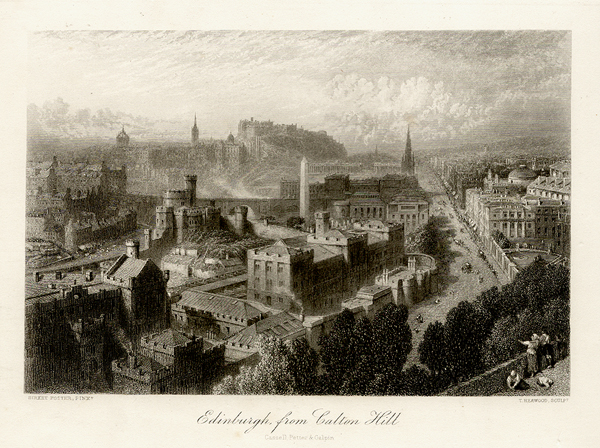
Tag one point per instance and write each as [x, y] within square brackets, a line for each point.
[195, 132]
[408, 161]
[408, 150]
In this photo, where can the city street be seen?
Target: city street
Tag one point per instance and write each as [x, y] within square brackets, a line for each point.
[454, 284]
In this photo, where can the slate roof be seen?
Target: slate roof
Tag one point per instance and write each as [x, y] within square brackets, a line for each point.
[280, 248]
[130, 267]
[42, 288]
[562, 165]
[169, 338]
[281, 325]
[218, 304]
[559, 184]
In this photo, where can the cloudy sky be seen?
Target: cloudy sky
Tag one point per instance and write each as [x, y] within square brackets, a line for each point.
[362, 87]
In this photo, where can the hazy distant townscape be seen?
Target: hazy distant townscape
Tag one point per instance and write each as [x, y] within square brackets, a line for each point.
[306, 213]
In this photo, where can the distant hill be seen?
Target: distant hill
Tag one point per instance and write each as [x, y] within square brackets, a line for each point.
[539, 146]
[290, 141]
[314, 146]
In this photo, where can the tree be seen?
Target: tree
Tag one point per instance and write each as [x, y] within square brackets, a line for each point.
[413, 381]
[271, 376]
[360, 352]
[467, 326]
[335, 352]
[502, 344]
[392, 339]
[303, 367]
[432, 350]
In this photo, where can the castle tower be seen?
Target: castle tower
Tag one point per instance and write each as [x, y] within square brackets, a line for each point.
[190, 185]
[322, 223]
[304, 190]
[195, 132]
[408, 162]
[91, 337]
[132, 249]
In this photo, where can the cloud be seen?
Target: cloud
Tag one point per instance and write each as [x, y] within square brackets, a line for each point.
[55, 119]
[362, 87]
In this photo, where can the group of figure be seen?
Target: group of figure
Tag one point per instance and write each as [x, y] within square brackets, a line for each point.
[539, 352]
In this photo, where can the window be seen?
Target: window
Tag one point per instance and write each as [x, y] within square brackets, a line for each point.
[268, 299]
[257, 265]
[269, 284]
[280, 300]
[280, 268]
[269, 266]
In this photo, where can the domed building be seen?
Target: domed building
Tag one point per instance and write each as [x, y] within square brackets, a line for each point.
[522, 176]
[122, 139]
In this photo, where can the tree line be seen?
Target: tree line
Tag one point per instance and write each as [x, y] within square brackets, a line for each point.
[364, 357]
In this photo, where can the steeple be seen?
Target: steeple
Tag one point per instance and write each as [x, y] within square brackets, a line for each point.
[408, 150]
[195, 133]
[408, 161]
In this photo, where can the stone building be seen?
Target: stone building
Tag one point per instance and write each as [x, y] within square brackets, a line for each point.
[553, 187]
[179, 213]
[42, 177]
[66, 331]
[369, 300]
[409, 208]
[522, 176]
[561, 169]
[144, 293]
[244, 344]
[412, 283]
[82, 231]
[184, 260]
[83, 177]
[315, 273]
[169, 363]
[212, 316]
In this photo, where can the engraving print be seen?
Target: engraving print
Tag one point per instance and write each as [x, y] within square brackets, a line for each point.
[298, 213]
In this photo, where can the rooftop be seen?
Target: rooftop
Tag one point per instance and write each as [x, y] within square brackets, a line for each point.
[43, 290]
[170, 338]
[281, 325]
[218, 304]
[126, 267]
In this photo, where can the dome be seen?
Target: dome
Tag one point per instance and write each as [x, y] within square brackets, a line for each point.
[522, 174]
[122, 138]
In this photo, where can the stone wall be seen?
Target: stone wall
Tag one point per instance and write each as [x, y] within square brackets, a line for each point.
[490, 382]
